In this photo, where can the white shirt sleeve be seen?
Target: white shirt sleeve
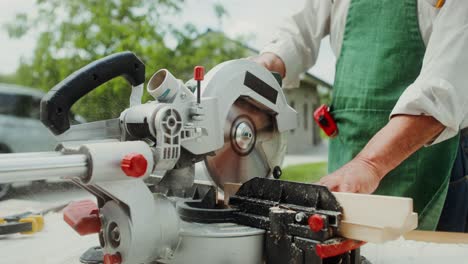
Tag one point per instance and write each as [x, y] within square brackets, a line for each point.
[298, 40]
[441, 89]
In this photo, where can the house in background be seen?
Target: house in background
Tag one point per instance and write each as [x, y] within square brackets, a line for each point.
[305, 99]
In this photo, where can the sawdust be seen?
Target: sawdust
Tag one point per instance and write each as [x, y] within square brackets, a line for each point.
[403, 251]
[56, 244]
[59, 244]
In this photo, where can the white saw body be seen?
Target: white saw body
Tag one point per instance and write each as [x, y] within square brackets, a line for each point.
[137, 225]
[237, 126]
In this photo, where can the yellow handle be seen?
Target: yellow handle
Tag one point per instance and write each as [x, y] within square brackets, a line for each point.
[37, 223]
[440, 3]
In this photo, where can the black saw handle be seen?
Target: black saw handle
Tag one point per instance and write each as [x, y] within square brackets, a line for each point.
[56, 104]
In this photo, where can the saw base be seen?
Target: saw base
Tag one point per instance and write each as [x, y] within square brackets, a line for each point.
[266, 221]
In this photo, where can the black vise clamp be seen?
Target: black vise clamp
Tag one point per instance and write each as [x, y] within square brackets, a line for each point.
[301, 220]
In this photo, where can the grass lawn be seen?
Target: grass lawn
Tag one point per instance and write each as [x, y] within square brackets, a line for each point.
[308, 173]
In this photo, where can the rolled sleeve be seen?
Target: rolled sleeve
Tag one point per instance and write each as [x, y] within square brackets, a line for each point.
[433, 97]
[441, 90]
[297, 41]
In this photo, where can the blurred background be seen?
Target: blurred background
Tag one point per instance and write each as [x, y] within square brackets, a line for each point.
[43, 41]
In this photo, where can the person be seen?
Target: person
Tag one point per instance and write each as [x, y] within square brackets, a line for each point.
[454, 216]
[399, 96]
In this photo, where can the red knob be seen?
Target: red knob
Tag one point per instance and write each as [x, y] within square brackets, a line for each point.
[112, 258]
[198, 73]
[134, 165]
[316, 222]
[83, 217]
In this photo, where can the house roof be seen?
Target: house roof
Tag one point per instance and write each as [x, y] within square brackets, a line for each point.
[20, 90]
[316, 80]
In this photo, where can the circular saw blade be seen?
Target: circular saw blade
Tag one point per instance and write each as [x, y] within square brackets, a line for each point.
[252, 145]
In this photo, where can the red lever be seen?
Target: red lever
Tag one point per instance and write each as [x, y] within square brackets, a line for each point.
[337, 248]
[324, 119]
[112, 258]
[198, 73]
[316, 222]
[134, 165]
[83, 217]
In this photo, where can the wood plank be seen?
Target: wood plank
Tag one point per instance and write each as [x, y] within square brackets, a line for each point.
[376, 233]
[376, 218]
[437, 237]
[229, 190]
[375, 210]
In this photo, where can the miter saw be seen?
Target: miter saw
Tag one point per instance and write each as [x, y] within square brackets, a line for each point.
[235, 119]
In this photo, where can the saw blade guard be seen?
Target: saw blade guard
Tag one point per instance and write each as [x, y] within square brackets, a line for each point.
[254, 118]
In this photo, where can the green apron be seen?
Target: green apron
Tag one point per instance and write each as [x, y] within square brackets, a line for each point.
[381, 56]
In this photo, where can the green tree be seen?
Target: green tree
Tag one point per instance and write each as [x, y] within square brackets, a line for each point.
[8, 78]
[73, 33]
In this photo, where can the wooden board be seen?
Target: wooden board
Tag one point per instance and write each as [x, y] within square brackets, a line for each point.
[376, 233]
[437, 237]
[375, 210]
[375, 218]
[229, 190]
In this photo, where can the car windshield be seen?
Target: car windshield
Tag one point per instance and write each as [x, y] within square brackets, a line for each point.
[19, 105]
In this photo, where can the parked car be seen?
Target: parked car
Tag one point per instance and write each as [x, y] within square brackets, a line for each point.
[20, 127]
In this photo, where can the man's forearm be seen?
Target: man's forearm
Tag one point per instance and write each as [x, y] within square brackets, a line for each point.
[401, 137]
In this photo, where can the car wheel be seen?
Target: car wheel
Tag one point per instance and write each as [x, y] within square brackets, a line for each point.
[4, 188]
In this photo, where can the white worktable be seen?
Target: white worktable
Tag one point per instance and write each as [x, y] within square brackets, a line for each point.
[59, 244]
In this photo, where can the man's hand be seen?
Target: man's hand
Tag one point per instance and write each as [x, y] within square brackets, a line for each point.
[401, 137]
[271, 61]
[356, 176]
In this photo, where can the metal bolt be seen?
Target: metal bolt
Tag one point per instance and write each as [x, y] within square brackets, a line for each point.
[244, 137]
[300, 217]
[277, 172]
[115, 234]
